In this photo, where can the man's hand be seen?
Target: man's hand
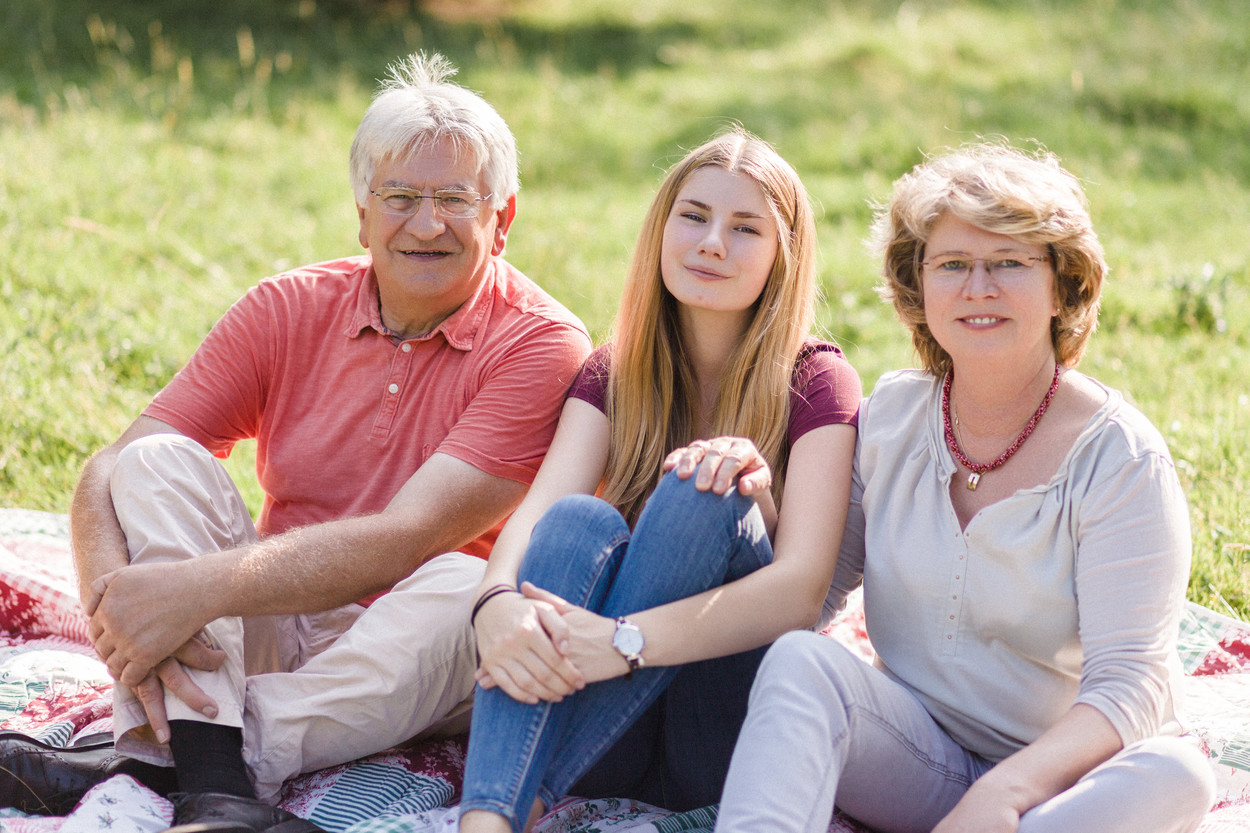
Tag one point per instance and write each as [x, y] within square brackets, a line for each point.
[139, 618]
[171, 675]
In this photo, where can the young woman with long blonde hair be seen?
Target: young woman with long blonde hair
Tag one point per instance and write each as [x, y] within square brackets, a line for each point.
[619, 634]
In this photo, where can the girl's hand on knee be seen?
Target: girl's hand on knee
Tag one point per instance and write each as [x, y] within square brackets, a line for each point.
[518, 655]
[685, 460]
[590, 646]
[723, 462]
[720, 463]
[550, 614]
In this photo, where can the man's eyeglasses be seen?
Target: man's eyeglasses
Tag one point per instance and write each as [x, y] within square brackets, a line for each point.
[1000, 268]
[449, 204]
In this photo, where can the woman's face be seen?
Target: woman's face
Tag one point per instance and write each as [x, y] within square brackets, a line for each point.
[987, 295]
[720, 241]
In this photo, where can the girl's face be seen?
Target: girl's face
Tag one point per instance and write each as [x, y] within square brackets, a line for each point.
[720, 241]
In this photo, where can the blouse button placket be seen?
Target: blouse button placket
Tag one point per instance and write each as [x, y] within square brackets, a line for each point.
[954, 604]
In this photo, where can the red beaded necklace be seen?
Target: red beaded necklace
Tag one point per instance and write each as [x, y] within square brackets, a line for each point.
[978, 469]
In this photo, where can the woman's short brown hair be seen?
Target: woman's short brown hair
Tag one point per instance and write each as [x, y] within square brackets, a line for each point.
[1005, 191]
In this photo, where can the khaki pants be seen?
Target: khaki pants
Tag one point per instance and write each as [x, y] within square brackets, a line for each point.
[310, 691]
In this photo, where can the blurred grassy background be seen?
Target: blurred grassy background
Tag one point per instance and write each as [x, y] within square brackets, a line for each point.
[157, 158]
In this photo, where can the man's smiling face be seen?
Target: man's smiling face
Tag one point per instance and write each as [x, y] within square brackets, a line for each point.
[428, 265]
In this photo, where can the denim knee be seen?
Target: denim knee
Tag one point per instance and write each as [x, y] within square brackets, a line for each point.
[675, 499]
[571, 507]
[726, 531]
[585, 516]
[575, 549]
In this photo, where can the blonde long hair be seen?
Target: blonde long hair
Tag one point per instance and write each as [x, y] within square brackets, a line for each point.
[652, 395]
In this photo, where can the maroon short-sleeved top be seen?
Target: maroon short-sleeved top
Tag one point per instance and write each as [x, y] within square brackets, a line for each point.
[825, 389]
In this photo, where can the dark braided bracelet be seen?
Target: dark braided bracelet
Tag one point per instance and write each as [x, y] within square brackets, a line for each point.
[491, 592]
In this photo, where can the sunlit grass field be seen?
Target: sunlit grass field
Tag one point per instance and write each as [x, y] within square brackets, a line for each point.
[157, 158]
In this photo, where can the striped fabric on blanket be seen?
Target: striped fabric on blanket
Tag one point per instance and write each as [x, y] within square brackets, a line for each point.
[53, 689]
[702, 819]
[441, 820]
[368, 790]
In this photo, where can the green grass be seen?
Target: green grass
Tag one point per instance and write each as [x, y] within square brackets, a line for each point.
[157, 158]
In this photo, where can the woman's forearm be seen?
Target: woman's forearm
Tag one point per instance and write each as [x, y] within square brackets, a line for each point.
[1081, 740]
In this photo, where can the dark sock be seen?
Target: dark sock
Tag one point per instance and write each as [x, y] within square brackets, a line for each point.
[209, 758]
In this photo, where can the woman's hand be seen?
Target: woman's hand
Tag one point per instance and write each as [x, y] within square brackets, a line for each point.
[1079, 741]
[520, 645]
[980, 811]
[717, 463]
[589, 642]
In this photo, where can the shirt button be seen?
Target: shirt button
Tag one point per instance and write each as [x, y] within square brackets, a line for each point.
[406, 347]
[393, 388]
[948, 636]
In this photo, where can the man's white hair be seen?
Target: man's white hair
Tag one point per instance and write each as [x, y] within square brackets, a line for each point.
[417, 105]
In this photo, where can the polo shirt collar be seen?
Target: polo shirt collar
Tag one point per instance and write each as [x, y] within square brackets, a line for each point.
[458, 328]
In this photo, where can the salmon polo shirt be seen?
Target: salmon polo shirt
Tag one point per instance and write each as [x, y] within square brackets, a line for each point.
[344, 413]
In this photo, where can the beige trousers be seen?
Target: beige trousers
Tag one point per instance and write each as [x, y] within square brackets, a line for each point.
[310, 691]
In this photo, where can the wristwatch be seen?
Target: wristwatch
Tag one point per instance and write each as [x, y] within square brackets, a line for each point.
[628, 641]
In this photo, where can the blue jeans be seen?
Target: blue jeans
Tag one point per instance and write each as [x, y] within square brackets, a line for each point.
[666, 735]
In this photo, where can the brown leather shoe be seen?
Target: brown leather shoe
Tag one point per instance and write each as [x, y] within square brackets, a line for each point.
[224, 813]
[36, 777]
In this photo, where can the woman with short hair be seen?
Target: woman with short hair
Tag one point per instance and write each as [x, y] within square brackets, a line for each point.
[1023, 544]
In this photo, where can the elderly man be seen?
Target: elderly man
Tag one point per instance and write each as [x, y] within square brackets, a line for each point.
[402, 401]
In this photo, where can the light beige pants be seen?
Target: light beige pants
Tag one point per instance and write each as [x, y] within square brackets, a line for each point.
[310, 691]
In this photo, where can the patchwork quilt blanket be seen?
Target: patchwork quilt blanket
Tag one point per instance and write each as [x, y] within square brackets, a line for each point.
[52, 687]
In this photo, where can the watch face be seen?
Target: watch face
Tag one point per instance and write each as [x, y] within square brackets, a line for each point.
[628, 640]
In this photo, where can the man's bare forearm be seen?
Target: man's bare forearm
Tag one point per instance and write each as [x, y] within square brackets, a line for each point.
[445, 506]
[311, 568]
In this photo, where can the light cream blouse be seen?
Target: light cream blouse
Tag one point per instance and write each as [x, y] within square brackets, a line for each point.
[1065, 593]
